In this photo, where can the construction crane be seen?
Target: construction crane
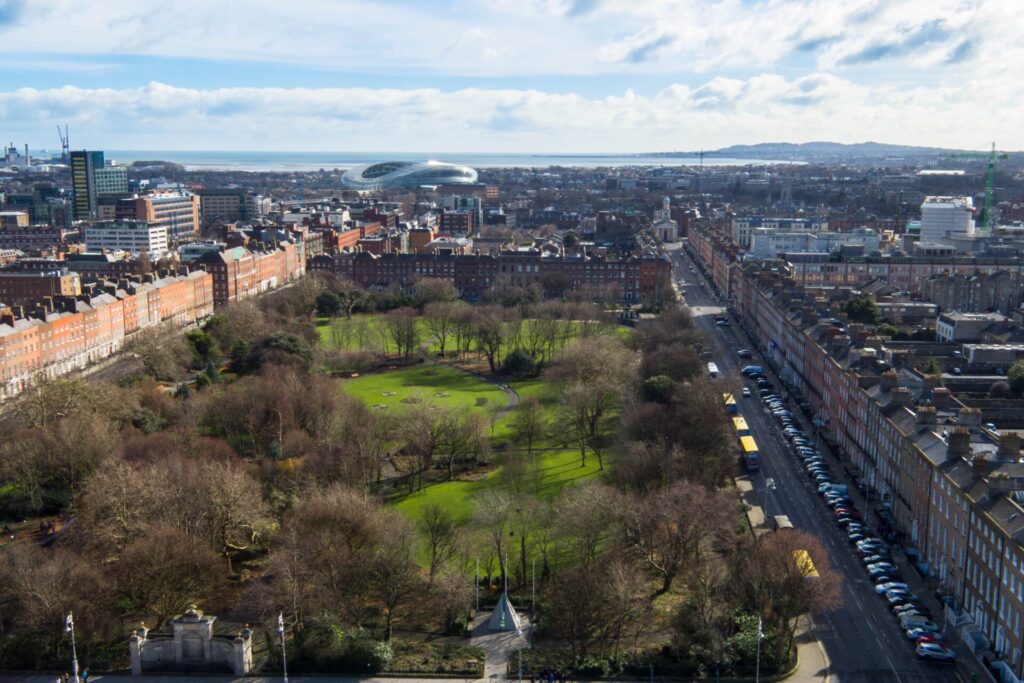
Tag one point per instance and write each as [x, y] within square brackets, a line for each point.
[63, 143]
[988, 216]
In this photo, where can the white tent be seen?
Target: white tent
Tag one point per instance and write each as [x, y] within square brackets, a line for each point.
[504, 617]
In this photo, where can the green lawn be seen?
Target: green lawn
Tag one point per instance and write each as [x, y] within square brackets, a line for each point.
[425, 385]
[561, 468]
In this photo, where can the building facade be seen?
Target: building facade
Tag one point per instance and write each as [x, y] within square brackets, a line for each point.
[134, 237]
[84, 165]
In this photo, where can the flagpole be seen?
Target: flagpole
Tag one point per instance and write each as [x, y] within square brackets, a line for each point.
[284, 651]
[69, 626]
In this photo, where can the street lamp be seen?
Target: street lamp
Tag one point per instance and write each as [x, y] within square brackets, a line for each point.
[284, 652]
[69, 627]
[760, 637]
[769, 484]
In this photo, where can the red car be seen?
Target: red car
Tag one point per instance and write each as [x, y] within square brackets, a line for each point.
[933, 638]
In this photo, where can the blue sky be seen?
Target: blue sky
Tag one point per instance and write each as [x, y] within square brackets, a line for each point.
[510, 75]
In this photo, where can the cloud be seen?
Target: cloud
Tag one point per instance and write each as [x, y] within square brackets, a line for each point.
[11, 11]
[719, 112]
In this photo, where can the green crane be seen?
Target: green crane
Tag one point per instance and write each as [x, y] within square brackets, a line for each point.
[988, 217]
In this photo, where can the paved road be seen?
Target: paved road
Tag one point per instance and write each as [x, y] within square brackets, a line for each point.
[862, 639]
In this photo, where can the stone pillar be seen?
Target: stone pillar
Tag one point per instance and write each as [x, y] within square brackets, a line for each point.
[242, 653]
[135, 644]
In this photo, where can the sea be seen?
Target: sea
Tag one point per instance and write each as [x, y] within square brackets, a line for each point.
[313, 161]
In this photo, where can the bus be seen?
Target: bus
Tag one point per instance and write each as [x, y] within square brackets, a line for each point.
[805, 564]
[740, 425]
[713, 370]
[730, 404]
[748, 448]
[782, 522]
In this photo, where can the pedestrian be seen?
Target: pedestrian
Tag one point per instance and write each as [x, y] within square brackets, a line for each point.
[85, 676]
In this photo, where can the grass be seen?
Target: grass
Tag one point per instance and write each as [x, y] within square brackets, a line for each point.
[438, 385]
[561, 468]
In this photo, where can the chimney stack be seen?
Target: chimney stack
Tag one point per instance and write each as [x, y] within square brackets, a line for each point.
[959, 444]
[970, 417]
[901, 397]
[1009, 446]
[889, 380]
[941, 397]
[926, 415]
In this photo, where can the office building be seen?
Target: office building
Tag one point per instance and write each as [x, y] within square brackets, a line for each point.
[226, 204]
[132, 236]
[177, 212]
[84, 165]
[111, 180]
[942, 216]
[743, 227]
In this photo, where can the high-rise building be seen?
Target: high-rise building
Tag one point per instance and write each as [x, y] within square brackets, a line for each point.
[941, 216]
[111, 180]
[84, 165]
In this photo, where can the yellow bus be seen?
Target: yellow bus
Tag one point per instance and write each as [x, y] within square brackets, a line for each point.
[805, 564]
[730, 403]
[749, 448]
[739, 423]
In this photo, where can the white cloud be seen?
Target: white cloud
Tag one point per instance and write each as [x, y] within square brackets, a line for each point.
[718, 113]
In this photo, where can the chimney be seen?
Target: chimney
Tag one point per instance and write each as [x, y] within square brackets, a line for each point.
[980, 466]
[901, 397]
[931, 381]
[1009, 446]
[889, 380]
[970, 417]
[959, 444]
[926, 415]
[941, 397]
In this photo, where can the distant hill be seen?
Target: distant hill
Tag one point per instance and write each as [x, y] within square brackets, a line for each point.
[829, 152]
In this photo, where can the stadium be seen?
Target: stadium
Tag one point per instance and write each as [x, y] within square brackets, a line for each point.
[406, 174]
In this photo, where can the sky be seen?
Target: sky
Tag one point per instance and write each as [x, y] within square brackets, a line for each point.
[532, 76]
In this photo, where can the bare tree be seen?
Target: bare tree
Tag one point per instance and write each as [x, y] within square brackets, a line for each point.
[403, 328]
[678, 528]
[784, 576]
[439, 317]
[438, 526]
[489, 333]
[529, 423]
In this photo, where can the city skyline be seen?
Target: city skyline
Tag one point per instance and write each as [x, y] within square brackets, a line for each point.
[561, 75]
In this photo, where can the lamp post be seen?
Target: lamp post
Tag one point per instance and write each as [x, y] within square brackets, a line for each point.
[533, 591]
[769, 485]
[760, 637]
[284, 652]
[69, 627]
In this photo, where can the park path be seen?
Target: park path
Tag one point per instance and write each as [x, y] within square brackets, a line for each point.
[499, 646]
[511, 395]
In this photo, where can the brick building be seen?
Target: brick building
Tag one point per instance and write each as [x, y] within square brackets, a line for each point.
[629, 280]
[25, 287]
[240, 272]
[65, 333]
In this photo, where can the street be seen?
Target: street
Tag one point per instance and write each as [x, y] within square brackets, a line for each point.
[862, 638]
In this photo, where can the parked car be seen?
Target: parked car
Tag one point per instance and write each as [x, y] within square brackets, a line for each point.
[744, 353]
[935, 652]
[746, 392]
[900, 596]
[882, 589]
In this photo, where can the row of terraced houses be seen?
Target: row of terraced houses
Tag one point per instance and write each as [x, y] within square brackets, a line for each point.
[950, 485]
[62, 333]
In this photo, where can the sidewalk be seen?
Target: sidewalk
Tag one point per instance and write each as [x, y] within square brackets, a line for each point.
[813, 664]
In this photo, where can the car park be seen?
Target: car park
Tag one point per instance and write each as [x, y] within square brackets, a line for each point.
[935, 652]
